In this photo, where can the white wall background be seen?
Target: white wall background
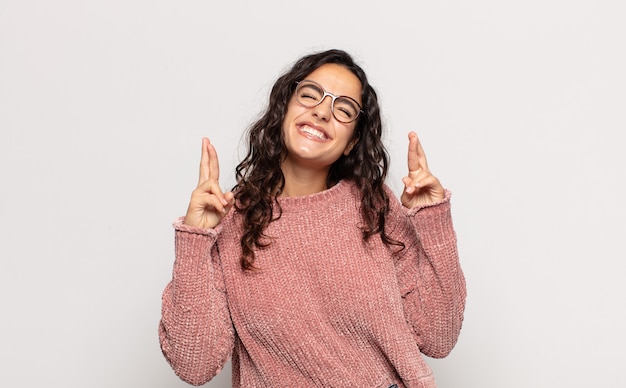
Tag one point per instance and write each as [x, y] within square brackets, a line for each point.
[520, 107]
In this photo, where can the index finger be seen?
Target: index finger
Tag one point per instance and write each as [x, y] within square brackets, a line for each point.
[416, 157]
[214, 165]
[209, 164]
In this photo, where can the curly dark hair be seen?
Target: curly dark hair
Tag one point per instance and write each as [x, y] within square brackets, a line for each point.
[259, 175]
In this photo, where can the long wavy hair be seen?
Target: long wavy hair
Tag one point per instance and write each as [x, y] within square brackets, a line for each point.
[259, 175]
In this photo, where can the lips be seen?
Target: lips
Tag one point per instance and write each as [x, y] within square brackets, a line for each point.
[313, 132]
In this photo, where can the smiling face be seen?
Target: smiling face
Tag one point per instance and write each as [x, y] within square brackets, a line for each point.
[314, 138]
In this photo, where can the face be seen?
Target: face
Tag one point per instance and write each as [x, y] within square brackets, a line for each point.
[314, 138]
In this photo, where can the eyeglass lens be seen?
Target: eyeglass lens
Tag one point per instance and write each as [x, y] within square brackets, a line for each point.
[311, 94]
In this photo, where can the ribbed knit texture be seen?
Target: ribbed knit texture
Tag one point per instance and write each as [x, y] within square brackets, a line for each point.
[325, 309]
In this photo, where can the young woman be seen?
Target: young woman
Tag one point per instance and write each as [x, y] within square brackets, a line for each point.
[310, 272]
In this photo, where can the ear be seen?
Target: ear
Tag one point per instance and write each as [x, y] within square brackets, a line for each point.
[350, 146]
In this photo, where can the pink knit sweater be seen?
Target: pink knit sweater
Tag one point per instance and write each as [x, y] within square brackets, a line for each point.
[325, 309]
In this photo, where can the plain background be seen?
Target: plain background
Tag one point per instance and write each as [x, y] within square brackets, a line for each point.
[520, 107]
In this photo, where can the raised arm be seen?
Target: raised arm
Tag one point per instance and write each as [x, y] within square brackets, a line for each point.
[429, 271]
[195, 331]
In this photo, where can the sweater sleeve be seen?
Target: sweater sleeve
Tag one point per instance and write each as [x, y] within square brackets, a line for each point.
[430, 278]
[196, 332]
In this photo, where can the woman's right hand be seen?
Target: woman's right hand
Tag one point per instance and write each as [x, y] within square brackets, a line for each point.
[208, 205]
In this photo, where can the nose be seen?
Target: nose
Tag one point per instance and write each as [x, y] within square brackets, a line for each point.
[324, 110]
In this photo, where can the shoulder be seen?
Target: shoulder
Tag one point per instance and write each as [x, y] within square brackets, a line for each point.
[394, 203]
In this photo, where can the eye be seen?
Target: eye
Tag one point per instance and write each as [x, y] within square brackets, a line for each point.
[309, 94]
[345, 113]
[345, 108]
[306, 95]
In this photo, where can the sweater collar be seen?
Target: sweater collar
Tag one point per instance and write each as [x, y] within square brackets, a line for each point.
[315, 201]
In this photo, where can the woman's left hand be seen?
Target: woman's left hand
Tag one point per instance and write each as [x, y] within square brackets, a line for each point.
[420, 186]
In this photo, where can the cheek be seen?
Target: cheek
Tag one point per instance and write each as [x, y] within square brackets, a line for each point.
[348, 133]
[292, 107]
[292, 112]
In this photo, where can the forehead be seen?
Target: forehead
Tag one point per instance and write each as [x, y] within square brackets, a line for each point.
[338, 80]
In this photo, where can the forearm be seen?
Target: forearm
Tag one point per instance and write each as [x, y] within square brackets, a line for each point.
[435, 292]
[195, 331]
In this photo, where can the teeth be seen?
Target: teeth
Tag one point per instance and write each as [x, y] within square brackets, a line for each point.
[314, 132]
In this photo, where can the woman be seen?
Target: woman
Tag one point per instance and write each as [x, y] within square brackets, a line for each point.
[310, 272]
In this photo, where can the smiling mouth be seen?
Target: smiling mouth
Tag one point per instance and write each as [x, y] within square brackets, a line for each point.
[313, 132]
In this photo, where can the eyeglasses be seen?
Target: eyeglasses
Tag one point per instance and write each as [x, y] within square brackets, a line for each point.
[310, 94]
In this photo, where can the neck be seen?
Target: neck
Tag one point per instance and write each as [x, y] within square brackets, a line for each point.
[300, 182]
